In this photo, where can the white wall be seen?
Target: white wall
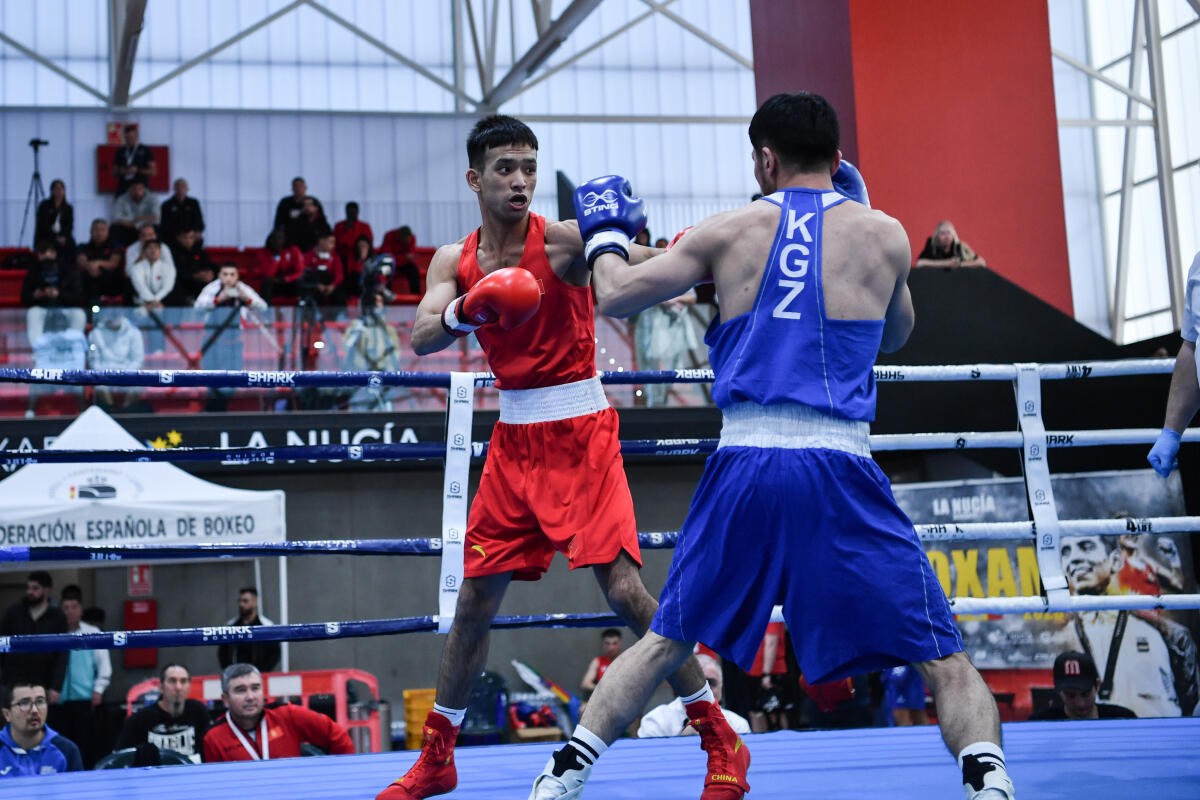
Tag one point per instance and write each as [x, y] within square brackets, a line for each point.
[401, 169]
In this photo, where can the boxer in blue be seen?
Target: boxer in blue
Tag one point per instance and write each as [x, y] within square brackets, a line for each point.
[791, 508]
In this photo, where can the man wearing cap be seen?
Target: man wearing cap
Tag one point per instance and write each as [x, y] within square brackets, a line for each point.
[1076, 681]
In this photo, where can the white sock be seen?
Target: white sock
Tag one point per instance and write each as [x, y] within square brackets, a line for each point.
[705, 694]
[589, 746]
[983, 769]
[455, 715]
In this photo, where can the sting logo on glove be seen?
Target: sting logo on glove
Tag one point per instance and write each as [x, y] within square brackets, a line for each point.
[591, 200]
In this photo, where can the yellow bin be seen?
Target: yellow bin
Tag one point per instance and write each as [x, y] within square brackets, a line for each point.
[417, 705]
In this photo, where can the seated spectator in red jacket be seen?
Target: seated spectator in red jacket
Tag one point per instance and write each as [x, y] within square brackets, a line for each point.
[945, 249]
[323, 272]
[400, 244]
[349, 230]
[100, 261]
[250, 731]
[280, 267]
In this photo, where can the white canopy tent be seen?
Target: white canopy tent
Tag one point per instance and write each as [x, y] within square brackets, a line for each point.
[50, 505]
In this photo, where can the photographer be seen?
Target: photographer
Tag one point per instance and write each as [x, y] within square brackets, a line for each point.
[49, 285]
[226, 300]
[323, 277]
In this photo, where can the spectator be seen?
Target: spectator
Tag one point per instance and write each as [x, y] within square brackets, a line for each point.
[175, 722]
[56, 221]
[59, 347]
[193, 269]
[323, 273]
[292, 206]
[360, 258]
[610, 648]
[99, 263]
[766, 681]
[131, 210]
[28, 746]
[401, 245]
[280, 266]
[945, 249]
[88, 675]
[306, 229]
[116, 343]
[35, 614]
[904, 696]
[49, 285]
[133, 161]
[264, 656]
[843, 703]
[665, 337]
[372, 345]
[180, 212]
[671, 719]
[226, 299]
[1154, 672]
[643, 238]
[1076, 681]
[251, 731]
[349, 230]
[146, 232]
[152, 274]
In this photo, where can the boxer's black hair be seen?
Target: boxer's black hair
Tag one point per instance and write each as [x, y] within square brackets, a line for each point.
[801, 128]
[496, 130]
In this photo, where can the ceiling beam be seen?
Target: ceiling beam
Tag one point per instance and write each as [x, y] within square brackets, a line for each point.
[125, 20]
[50, 65]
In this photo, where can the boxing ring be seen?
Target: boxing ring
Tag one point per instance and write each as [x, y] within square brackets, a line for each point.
[1111, 759]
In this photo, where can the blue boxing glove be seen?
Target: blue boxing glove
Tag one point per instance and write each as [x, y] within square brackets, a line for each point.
[848, 182]
[609, 216]
[1162, 455]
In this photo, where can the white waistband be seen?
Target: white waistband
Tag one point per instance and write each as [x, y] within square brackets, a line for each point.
[793, 427]
[550, 403]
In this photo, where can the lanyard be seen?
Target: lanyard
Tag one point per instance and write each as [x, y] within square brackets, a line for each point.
[1114, 646]
[263, 741]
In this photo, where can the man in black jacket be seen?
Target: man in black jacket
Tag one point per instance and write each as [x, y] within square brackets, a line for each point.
[175, 722]
[264, 655]
[49, 283]
[180, 213]
[35, 614]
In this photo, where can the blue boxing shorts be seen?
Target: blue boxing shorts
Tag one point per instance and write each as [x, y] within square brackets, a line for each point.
[903, 688]
[796, 512]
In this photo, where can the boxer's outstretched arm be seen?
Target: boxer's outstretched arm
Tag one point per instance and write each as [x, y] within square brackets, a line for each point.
[441, 287]
[622, 289]
[1183, 399]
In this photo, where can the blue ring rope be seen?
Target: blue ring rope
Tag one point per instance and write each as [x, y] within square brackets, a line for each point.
[306, 631]
[656, 540]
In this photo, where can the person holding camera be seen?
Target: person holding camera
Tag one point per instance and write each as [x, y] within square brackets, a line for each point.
[50, 284]
[324, 276]
[400, 243]
[226, 300]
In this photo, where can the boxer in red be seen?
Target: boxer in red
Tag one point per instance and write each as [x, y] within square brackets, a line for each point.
[554, 479]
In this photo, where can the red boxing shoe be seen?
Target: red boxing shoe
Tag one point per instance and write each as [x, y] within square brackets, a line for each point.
[434, 772]
[728, 756]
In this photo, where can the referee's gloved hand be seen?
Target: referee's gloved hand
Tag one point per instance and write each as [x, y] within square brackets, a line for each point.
[1163, 455]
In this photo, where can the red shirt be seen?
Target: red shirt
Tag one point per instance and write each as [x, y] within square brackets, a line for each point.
[780, 665]
[393, 246]
[602, 665]
[346, 234]
[287, 727]
[287, 265]
[331, 264]
[556, 346]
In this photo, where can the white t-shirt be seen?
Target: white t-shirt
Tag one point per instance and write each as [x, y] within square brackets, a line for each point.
[1142, 678]
[669, 719]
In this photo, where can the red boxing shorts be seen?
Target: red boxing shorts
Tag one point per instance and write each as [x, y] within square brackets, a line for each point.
[547, 486]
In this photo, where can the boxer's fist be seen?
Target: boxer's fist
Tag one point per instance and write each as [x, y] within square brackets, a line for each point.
[848, 182]
[508, 297]
[1162, 455]
[609, 216]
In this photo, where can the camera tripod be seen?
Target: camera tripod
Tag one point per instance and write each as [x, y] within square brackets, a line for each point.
[36, 193]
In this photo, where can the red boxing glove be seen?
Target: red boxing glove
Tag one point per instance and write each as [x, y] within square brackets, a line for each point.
[508, 296]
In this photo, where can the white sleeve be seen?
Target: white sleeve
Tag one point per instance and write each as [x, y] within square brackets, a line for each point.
[138, 273]
[658, 722]
[208, 296]
[256, 300]
[736, 721]
[1191, 303]
[137, 358]
[103, 671]
[168, 268]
